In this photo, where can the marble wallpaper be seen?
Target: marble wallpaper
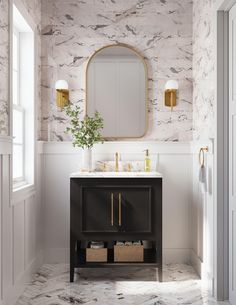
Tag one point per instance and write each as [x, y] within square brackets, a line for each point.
[34, 9]
[160, 30]
[204, 59]
[4, 47]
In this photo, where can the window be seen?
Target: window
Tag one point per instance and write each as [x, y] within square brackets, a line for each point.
[18, 114]
[22, 86]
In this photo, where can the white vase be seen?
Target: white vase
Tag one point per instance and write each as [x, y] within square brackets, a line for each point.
[86, 159]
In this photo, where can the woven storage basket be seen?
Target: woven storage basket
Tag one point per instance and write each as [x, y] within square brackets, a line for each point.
[128, 253]
[96, 255]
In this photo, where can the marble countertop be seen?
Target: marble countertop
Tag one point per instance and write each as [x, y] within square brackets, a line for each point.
[116, 175]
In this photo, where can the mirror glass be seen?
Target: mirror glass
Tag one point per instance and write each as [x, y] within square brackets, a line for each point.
[117, 88]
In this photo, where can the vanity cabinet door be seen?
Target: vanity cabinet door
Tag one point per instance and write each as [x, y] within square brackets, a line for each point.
[98, 210]
[135, 209]
[117, 209]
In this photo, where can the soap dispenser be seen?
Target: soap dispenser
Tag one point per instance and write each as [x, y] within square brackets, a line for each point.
[147, 161]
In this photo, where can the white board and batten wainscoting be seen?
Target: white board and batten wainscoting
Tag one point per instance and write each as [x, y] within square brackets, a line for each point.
[185, 205]
[35, 228]
[20, 237]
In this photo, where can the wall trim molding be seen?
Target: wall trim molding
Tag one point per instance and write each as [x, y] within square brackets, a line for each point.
[196, 262]
[130, 147]
[5, 145]
[176, 256]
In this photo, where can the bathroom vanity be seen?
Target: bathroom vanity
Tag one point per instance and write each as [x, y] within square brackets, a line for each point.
[114, 207]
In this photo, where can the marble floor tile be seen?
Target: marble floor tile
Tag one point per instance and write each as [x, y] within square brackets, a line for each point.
[134, 286]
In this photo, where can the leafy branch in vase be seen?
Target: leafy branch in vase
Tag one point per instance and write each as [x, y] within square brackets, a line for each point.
[86, 132]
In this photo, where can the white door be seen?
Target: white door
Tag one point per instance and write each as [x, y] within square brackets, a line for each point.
[232, 155]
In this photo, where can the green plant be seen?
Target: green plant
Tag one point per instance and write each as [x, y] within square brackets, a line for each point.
[86, 132]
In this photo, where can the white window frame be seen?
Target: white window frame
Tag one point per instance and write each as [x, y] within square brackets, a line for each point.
[18, 107]
[16, 33]
[28, 33]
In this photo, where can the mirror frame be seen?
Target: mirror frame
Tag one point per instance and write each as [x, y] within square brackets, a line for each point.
[146, 91]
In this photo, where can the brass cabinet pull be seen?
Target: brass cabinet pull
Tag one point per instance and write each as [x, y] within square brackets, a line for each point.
[112, 209]
[120, 215]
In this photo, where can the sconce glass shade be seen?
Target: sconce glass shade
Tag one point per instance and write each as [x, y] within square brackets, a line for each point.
[61, 85]
[171, 84]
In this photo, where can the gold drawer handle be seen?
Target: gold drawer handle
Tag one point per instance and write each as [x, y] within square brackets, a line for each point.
[112, 209]
[120, 215]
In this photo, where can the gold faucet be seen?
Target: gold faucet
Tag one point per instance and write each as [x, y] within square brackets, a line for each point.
[117, 162]
[129, 167]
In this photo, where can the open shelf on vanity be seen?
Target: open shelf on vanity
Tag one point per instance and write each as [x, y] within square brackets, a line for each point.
[150, 260]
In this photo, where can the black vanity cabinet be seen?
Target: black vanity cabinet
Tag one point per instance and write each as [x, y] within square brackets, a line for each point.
[115, 209]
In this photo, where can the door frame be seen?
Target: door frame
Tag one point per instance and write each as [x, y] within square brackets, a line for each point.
[221, 215]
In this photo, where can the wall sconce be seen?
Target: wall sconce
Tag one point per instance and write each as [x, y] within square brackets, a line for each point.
[62, 89]
[171, 88]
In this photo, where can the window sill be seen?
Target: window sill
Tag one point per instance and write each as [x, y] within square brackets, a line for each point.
[20, 184]
[22, 192]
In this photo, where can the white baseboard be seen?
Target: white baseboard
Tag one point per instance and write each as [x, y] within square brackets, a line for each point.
[56, 255]
[176, 256]
[62, 255]
[196, 262]
[25, 279]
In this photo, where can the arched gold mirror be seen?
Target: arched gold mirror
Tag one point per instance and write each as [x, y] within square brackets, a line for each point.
[116, 87]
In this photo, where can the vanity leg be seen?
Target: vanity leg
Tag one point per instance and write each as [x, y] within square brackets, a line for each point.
[159, 259]
[160, 268]
[72, 258]
[160, 275]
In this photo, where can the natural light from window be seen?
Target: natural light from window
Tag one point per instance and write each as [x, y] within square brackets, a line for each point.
[22, 99]
[18, 112]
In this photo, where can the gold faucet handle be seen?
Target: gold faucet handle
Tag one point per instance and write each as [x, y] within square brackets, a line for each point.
[117, 162]
[129, 167]
[104, 167]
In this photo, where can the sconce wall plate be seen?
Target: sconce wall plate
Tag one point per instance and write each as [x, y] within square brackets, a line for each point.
[170, 98]
[62, 98]
[171, 88]
[62, 88]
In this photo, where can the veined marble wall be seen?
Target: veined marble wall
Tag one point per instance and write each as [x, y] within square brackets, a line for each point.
[203, 69]
[161, 30]
[34, 9]
[4, 47]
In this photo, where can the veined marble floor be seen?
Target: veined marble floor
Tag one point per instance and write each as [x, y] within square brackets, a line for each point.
[51, 286]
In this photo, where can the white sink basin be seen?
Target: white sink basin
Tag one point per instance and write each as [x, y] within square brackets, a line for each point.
[116, 175]
[124, 166]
